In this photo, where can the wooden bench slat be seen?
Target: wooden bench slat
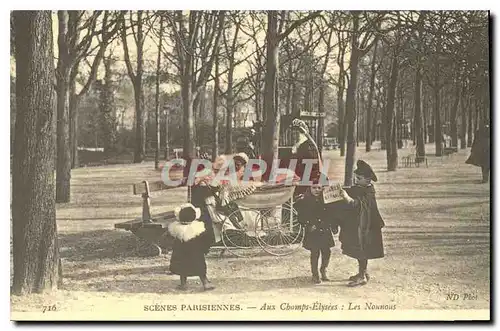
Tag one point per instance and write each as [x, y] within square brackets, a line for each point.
[129, 225]
[160, 220]
[153, 225]
[140, 188]
[140, 224]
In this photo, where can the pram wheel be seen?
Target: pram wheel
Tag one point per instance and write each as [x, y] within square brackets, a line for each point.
[241, 240]
[283, 232]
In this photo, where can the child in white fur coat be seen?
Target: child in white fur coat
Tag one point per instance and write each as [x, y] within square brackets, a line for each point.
[190, 245]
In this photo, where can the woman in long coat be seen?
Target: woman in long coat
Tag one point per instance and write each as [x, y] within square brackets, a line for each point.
[305, 149]
[480, 152]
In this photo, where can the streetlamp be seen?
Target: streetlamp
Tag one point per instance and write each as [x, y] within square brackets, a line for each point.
[166, 113]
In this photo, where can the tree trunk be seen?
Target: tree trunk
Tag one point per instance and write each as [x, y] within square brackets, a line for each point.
[425, 107]
[309, 85]
[201, 105]
[419, 130]
[288, 98]
[453, 117]
[341, 121]
[36, 262]
[340, 95]
[412, 128]
[107, 117]
[321, 119]
[63, 167]
[430, 120]
[229, 111]
[373, 129]
[272, 115]
[399, 116]
[476, 114]
[486, 104]
[438, 138]
[189, 148]
[167, 137]
[370, 101]
[470, 124]
[295, 102]
[73, 127]
[215, 146]
[258, 99]
[157, 98]
[357, 118]
[197, 97]
[140, 132]
[391, 121]
[463, 118]
[350, 106]
[383, 125]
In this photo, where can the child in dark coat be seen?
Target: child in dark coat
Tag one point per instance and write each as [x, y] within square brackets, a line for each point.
[312, 214]
[361, 228]
[190, 246]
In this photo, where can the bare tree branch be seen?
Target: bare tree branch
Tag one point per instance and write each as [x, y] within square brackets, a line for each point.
[128, 63]
[297, 23]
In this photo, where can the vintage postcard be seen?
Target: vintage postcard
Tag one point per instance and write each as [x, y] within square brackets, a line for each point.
[250, 165]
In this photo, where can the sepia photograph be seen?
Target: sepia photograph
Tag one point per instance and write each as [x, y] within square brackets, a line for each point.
[250, 165]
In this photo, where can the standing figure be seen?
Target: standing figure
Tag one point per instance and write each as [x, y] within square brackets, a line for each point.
[190, 246]
[480, 152]
[305, 149]
[245, 145]
[200, 191]
[319, 229]
[361, 227]
[254, 141]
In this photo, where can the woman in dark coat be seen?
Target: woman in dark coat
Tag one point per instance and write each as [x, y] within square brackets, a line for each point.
[361, 228]
[190, 246]
[313, 215]
[305, 149]
[480, 152]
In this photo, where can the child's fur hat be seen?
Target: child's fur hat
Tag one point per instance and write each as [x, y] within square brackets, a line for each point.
[187, 213]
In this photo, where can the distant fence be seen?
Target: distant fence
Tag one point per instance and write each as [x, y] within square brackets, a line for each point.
[91, 149]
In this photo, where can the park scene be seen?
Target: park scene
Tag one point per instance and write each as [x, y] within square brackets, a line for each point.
[388, 111]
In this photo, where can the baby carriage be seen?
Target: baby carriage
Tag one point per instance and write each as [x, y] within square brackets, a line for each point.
[264, 220]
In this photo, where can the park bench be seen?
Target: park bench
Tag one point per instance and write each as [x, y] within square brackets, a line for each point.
[151, 230]
[178, 152]
[414, 159]
[447, 151]
[421, 159]
[407, 161]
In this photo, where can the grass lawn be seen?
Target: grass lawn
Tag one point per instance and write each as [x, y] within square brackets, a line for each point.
[437, 242]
